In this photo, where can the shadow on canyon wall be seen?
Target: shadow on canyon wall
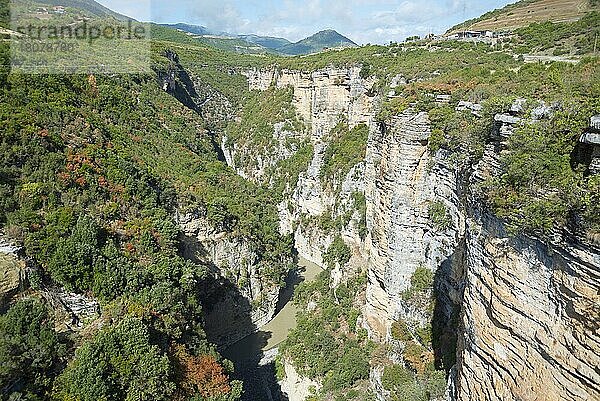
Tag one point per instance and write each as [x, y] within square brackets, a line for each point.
[229, 325]
[448, 286]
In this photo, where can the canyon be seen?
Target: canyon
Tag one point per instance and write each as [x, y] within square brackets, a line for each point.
[523, 311]
[415, 221]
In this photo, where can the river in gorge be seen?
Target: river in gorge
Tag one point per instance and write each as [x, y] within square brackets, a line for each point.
[260, 383]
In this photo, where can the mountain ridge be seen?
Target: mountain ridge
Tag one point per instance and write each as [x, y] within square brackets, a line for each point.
[524, 12]
[319, 41]
[90, 6]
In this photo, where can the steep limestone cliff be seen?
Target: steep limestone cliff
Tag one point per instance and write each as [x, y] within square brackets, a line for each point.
[530, 317]
[406, 181]
[529, 307]
[322, 99]
[249, 297]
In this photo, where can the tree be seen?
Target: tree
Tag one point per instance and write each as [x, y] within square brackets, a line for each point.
[202, 375]
[72, 262]
[31, 352]
[119, 364]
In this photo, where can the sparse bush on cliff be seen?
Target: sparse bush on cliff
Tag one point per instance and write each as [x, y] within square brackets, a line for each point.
[420, 281]
[406, 386]
[337, 253]
[360, 205]
[438, 215]
[346, 148]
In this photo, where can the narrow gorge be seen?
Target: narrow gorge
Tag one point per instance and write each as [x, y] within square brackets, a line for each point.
[508, 309]
[251, 219]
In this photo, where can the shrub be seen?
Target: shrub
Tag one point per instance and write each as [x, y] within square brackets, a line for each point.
[31, 352]
[400, 331]
[337, 253]
[436, 140]
[395, 376]
[360, 205]
[438, 215]
[421, 280]
[120, 363]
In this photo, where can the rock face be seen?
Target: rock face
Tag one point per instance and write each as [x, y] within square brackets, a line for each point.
[71, 310]
[248, 300]
[407, 180]
[321, 98]
[529, 310]
[524, 311]
[531, 317]
[11, 275]
[295, 386]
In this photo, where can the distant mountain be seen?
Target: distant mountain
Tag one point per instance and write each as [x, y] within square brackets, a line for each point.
[252, 41]
[88, 6]
[265, 44]
[195, 29]
[317, 42]
[268, 42]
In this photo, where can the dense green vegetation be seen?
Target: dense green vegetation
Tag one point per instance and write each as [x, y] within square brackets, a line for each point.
[541, 188]
[138, 370]
[255, 132]
[405, 385]
[338, 253]
[31, 352]
[261, 111]
[345, 148]
[92, 169]
[581, 35]
[327, 345]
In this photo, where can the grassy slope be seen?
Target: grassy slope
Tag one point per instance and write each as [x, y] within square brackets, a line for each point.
[525, 12]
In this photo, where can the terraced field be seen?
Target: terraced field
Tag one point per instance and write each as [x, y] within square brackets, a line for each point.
[525, 12]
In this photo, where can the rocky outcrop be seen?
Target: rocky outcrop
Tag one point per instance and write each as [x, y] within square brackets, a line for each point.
[257, 164]
[530, 317]
[72, 311]
[321, 96]
[589, 146]
[11, 275]
[249, 299]
[295, 386]
[406, 182]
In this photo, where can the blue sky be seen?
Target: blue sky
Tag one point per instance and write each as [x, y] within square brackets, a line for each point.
[364, 21]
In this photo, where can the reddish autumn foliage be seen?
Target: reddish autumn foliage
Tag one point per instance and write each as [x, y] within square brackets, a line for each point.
[202, 375]
[81, 181]
[102, 182]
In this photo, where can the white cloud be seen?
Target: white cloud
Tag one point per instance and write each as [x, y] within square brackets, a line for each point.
[222, 15]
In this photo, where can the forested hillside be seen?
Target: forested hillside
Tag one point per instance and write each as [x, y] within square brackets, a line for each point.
[93, 170]
[97, 170]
